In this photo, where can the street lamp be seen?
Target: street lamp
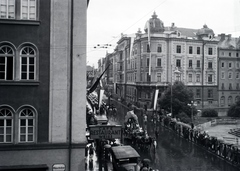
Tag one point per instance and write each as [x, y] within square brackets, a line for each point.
[192, 104]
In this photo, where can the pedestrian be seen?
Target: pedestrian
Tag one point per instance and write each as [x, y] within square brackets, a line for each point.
[145, 121]
[155, 145]
[91, 164]
[91, 150]
[86, 150]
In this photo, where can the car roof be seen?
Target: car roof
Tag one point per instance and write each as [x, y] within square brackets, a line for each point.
[124, 152]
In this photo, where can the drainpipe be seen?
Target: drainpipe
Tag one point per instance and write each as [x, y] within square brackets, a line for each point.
[70, 90]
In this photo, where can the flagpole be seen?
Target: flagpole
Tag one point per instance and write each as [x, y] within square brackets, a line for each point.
[149, 44]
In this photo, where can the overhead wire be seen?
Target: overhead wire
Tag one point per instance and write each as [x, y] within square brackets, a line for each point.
[137, 21]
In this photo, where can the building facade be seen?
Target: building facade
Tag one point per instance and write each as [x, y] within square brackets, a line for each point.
[160, 56]
[41, 109]
[229, 72]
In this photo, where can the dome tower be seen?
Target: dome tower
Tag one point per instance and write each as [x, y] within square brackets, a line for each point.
[156, 25]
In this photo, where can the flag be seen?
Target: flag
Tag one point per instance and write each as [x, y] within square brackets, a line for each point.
[131, 46]
[149, 45]
[94, 86]
[101, 84]
[154, 99]
[100, 97]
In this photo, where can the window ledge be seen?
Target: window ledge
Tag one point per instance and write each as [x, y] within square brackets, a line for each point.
[13, 83]
[20, 22]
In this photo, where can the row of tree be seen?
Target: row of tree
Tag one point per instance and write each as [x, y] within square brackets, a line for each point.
[177, 97]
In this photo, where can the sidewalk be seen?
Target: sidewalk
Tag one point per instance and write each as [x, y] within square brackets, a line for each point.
[92, 163]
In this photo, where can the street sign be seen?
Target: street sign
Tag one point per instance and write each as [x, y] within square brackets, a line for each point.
[105, 131]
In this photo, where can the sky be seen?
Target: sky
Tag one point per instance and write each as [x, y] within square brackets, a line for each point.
[108, 19]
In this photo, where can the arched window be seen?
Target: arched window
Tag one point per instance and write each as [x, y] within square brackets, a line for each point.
[222, 101]
[229, 100]
[6, 125]
[28, 63]
[26, 125]
[6, 63]
[236, 99]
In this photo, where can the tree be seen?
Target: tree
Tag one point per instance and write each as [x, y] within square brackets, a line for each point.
[234, 110]
[210, 113]
[181, 97]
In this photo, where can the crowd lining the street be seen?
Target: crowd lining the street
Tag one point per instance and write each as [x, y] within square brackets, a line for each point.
[226, 151]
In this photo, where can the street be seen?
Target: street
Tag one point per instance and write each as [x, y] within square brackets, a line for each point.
[174, 153]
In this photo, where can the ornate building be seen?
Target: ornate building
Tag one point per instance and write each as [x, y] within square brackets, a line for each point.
[229, 71]
[158, 57]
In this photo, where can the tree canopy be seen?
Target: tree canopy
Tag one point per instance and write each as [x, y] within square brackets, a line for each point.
[234, 110]
[181, 97]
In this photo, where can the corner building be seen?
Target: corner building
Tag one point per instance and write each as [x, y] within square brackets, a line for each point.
[42, 112]
[172, 53]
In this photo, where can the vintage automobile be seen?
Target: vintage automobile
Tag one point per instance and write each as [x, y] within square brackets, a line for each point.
[125, 158]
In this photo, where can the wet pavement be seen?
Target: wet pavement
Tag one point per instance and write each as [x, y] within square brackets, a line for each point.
[173, 153]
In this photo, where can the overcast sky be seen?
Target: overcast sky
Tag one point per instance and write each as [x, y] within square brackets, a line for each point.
[107, 19]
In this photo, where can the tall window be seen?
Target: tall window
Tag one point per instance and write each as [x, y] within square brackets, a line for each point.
[229, 100]
[178, 63]
[210, 93]
[6, 125]
[159, 48]
[229, 65]
[190, 63]
[198, 50]
[198, 63]
[147, 61]
[230, 75]
[148, 77]
[120, 55]
[198, 78]
[198, 91]
[28, 63]
[148, 48]
[6, 63]
[223, 75]
[210, 51]
[209, 65]
[190, 49]
[159, 62]
[222, 100]
[230, 54]
[222, 86]
[230, 86]
[28, 9]
[189, 77]
[7, 9]
[222, 64]
[236, 99]
[237, 86]
[210, 78]
[178, 49]
[158, 77]
[26, 125]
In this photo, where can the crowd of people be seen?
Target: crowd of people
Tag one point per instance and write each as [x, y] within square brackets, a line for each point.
[229, 152]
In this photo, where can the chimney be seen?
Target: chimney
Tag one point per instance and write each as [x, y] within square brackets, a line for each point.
[229, 36]
[222, 37]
